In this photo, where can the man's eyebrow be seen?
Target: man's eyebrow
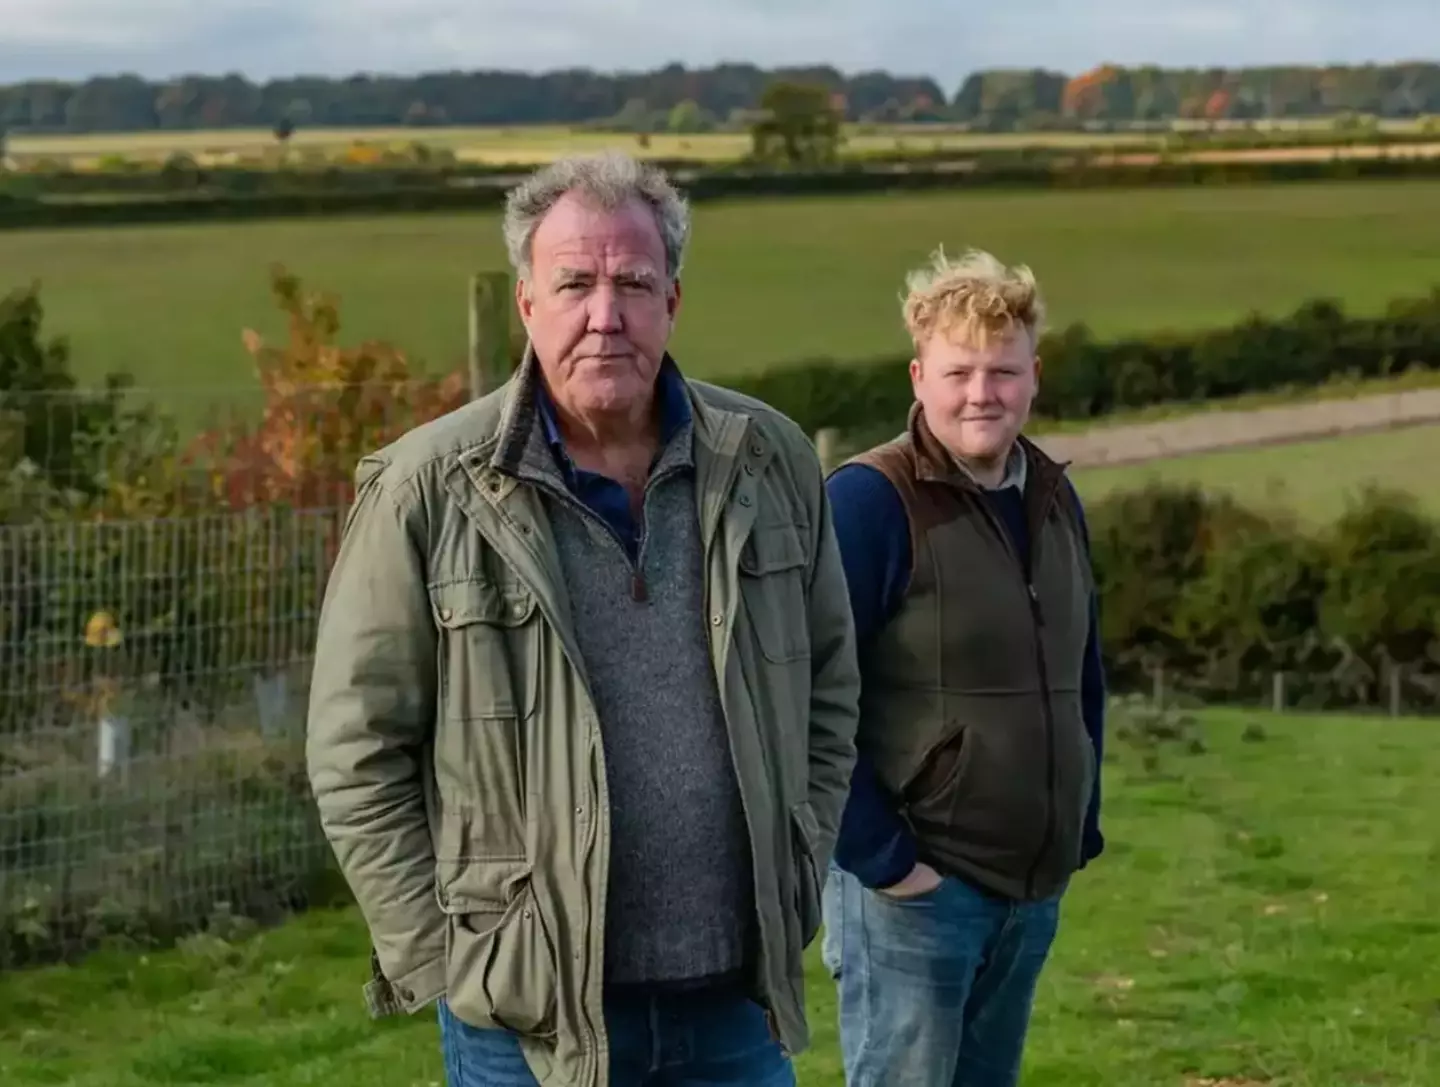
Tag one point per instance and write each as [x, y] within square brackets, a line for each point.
[642, 272]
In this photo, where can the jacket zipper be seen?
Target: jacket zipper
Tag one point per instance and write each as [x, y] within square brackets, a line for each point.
[639, 593]
[1038, 617]
[1037, 623]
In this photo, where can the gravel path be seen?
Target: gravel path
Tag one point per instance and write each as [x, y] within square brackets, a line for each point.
[1210, 431]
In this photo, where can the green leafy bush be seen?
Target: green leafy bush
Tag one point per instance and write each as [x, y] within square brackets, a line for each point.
[1227, 596]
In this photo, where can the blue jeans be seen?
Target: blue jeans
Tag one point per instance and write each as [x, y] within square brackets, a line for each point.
[689, 1040]
[936, 990]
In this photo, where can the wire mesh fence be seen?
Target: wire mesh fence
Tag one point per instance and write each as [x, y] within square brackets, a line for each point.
[152, 724]
[162, 563]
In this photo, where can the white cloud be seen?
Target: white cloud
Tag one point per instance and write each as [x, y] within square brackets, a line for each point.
[90, 23]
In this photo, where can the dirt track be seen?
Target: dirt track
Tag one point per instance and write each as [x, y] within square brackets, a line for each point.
[1211, 431]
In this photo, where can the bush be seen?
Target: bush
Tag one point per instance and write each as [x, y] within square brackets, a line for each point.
[326, 406]
[52, 431]
[1226, 596]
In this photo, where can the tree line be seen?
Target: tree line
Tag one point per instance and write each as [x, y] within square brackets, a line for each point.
[717, 96]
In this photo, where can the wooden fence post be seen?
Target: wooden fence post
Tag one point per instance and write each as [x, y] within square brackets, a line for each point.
[489, 332]
[826, 441]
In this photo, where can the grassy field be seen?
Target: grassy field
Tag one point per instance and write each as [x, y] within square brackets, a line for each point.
[767, 282]
[1265, 915]
[1315, 479]
[531, 144]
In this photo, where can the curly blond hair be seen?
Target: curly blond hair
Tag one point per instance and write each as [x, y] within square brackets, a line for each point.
[973, 299]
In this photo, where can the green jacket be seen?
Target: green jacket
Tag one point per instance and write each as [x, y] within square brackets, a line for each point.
[470, 819]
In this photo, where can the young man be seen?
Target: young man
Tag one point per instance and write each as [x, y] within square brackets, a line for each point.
[976, 794]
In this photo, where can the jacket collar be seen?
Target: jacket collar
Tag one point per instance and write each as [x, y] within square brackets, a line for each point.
[717, 432]
[936, 464]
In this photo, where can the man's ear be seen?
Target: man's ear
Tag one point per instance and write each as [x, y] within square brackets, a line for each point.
[917, 370]
[523, 302]
[672, 301]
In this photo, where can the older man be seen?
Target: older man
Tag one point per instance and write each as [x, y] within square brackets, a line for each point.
[582, 715]
[976, 791]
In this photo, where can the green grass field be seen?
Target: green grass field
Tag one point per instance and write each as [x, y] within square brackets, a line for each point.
[767, 282]
[1266, 912]
[1314, 479]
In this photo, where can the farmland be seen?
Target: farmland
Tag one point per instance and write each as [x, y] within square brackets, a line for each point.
[1313, 479]
[768, 282]
[533, 144]
[1265, 912]
[527, 144]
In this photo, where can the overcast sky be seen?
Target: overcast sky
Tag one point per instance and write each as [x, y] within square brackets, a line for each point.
[73, 39]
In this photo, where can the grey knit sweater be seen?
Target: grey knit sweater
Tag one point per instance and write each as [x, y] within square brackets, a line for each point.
[680, 898]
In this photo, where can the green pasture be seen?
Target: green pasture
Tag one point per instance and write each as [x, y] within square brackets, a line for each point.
[767, 282]
[1313, 479]
[1265, 914]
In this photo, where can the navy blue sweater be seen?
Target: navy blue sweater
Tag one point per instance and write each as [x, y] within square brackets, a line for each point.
[875, 844]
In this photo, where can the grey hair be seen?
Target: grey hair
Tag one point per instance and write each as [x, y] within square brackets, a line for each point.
[607, 181]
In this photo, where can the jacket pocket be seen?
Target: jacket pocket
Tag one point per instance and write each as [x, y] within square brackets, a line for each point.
[501, 970]
[772, 584]
[486, 689]
[980, 802]
[933, 786]
[479, 850]
[486, 649]
[805, 835]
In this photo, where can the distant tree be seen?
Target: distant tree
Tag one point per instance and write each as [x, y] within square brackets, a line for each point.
[689, 116]
[798, 125]
[495, 97]
[1219, 105]
[636, 116]
[1101, 94]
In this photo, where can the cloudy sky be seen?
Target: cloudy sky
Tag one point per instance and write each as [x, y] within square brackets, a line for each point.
[157, 38]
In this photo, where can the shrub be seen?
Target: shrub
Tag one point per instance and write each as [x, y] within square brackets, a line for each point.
[325, 407]
[51, 429]
[1225, 596]
[1382, 579]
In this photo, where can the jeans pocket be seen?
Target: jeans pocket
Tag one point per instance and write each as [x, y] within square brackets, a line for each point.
[481, 1056]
